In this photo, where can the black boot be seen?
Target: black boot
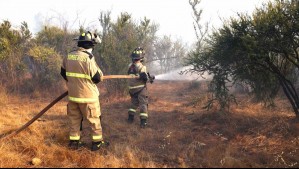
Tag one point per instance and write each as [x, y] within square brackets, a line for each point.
[75, 144]
[131, 118]
[98, 145]
[143, 123]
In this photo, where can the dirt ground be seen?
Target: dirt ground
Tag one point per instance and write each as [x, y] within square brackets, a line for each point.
[180, 133]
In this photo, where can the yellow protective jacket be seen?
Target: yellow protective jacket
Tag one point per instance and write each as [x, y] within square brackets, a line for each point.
[82, 73]
[135, 69]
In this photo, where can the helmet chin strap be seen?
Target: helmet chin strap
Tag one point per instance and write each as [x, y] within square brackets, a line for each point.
[89, 50]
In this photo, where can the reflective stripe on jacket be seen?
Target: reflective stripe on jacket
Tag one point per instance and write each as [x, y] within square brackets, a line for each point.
[136, 69]
[80, 70]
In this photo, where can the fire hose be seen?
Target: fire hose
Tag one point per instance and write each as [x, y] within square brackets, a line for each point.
[13, 133]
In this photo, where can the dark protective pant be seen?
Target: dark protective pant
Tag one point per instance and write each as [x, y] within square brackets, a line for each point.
[139, 99]
[89, 112]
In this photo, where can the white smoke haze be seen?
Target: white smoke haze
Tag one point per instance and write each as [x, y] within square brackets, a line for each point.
[176, 75]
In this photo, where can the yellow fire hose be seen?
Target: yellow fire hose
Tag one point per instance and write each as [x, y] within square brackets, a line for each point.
[119, 77]
[13, 133]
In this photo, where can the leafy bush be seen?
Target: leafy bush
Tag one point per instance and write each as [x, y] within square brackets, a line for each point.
[44, 65]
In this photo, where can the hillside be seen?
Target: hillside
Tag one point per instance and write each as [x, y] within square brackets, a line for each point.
[180, 133]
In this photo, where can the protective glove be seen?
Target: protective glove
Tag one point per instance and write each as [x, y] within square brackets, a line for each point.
[151, 78]
[143, 77]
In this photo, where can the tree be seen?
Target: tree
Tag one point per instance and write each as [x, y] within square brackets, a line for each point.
[12, 46]
[168, 54]
[201, 30]
[261, 51]
[277, 31]
[61, 40]
[119, 39]
[43, 63]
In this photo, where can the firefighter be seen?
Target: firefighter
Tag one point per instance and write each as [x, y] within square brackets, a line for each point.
[137, 87]
[82, 73]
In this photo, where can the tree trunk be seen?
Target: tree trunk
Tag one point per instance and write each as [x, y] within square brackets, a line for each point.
[291, 95]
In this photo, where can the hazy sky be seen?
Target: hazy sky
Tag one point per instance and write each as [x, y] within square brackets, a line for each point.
[173, 16]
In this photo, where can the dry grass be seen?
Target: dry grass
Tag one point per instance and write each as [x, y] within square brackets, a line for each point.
[3, 96]
[180, 134]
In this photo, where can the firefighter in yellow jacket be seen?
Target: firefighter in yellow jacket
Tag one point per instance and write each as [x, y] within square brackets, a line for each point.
[82, 73]
[137, 88]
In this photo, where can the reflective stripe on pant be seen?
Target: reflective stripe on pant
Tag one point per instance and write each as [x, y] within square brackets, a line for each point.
[89, 112]
[143, 115]
[140, 99]
[132, 112]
